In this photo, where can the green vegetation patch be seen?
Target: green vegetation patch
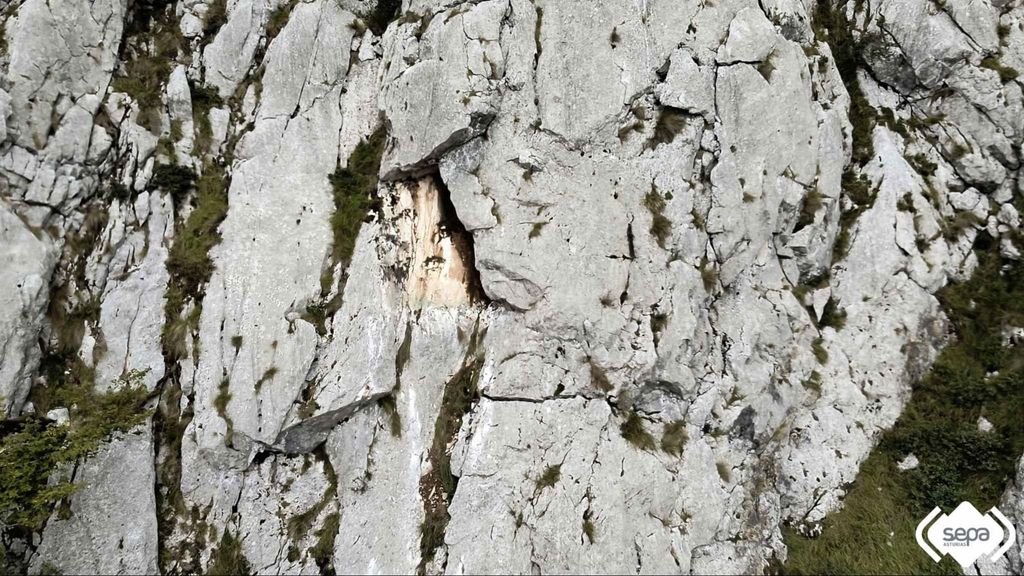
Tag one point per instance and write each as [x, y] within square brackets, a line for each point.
[973, 377]
[204, 99]
[278, 18]
[188, 261]
[437, 487]
[1006, 74]
[661, 226]
[155, 39]
[355, 195]
[833, 27]
[227, 558]
[552, 474]
[633, 430]
[670, 123]
[31, 454]
[674, 437]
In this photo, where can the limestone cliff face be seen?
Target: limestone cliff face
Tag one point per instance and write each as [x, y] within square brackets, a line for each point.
[497, 286]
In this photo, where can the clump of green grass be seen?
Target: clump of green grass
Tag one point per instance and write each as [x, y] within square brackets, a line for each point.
[551, 475]
[820, 353]
[832, 26]
[216, 16]
[862, 195]
[922, 165]
[37, 449]
[954, 226]
[204, 99]
[355, 195]
[221, 401]
[724, 471]
[300, 524]
[633, 430]
[813, 201]
[708, 274]
[536, 229]
[588, 525]
[856, 539]
[227, 558]
[389, 405]
[767, 67]
[176, 180]
[813, 382]
[674, 437]
[661, 226]
[437, 486]
[832, 315]
[157, 40]
[1006, 73]
[670, 123]
[277, 20]
[188, 261]
[267, 376]
[323, 551]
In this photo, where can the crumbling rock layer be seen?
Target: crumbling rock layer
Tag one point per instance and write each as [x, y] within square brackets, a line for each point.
[589, 323]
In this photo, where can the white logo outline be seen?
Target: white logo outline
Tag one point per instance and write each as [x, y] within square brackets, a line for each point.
[964, 512]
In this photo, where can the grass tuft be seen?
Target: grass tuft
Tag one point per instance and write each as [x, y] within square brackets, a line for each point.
[674, 438]
[355, 195]
[32, 456]
[632, 429]
[552, 474]
[661, 226]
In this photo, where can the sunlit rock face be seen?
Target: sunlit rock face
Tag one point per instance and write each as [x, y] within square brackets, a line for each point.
[516, 286]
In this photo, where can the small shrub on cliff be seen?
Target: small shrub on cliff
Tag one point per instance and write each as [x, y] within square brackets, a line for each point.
[37, 449]
[355, 194]
[632, 429]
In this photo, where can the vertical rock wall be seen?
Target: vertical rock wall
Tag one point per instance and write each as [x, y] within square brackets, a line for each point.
[638, 283]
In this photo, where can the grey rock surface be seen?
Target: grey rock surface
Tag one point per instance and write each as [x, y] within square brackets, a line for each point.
[585, 323]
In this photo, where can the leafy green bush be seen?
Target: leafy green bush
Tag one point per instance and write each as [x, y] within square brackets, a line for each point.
[30, 455]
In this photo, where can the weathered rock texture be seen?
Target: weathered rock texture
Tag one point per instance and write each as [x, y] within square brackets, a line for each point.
[589, 324]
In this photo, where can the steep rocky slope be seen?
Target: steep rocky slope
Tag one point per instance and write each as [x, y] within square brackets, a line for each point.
[498, 286]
